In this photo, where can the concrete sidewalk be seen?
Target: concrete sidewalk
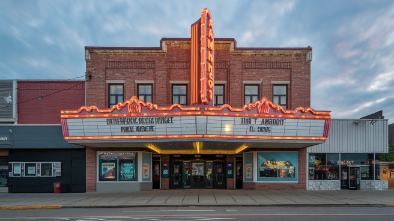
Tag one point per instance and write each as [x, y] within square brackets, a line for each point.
[200, 197]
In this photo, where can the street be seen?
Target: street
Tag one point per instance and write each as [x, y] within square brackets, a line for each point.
[282, 213]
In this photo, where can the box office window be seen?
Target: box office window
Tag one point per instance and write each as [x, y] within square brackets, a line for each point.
[118, 166]
[323, 166]
[35, 169]
[277, 166]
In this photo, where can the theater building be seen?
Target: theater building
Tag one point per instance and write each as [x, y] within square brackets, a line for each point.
[193, 113]
[196, 112]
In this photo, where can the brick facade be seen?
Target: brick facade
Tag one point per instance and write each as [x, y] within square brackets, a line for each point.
[171, 63]
[40, 102]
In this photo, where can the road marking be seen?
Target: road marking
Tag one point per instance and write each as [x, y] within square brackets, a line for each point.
[189, 210]
[231, 210]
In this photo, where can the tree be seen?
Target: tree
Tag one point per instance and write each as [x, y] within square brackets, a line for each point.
[387, 156]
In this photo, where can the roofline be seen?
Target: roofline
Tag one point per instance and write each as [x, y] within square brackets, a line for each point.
[60, 80]
[230, 40]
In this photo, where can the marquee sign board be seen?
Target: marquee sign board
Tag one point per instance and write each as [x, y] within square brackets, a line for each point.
[195, 125]
[139, 120]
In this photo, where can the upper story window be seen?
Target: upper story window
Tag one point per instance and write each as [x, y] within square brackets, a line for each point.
[279, 95]
[179, 94]
[251, 93]
[115, 94]
[144, 92]
[219, 94]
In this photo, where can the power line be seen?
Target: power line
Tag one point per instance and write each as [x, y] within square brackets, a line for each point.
[37, 80]
[47, 95]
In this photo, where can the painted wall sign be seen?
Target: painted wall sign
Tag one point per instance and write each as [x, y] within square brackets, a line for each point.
[207, 58]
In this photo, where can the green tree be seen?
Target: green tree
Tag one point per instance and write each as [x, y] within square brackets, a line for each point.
[387, 156]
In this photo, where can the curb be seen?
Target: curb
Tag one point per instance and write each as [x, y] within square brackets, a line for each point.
[190, 205]
[30, 207]
[229, 205]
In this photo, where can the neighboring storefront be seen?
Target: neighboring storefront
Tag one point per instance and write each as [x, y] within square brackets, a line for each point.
[38, 157]
[347, 160]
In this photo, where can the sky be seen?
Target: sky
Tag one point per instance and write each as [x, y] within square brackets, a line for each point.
[352, 71]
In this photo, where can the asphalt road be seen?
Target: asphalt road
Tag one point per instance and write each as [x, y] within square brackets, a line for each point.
[205, 213]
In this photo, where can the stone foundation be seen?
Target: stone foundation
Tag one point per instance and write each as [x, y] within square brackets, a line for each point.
[324, 185]
[374, 184]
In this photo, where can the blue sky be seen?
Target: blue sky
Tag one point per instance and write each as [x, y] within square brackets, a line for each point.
[352, 40]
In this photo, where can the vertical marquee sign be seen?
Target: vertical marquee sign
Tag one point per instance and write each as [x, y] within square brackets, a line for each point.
[207, 58]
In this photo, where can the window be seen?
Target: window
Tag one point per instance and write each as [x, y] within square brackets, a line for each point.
[219, 94]
[366, 163]
[36, 169]
[118, 166]
[115, 94]
[277, 166]
[179, 94]
[251, 93]
[323, 166]
[279, 95]
[145, 92]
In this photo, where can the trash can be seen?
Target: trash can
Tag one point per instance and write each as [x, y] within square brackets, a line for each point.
[57, 186]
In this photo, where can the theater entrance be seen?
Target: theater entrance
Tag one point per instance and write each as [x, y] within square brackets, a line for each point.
[198, 172]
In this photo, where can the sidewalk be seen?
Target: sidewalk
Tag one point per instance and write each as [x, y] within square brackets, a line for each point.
[200, 197]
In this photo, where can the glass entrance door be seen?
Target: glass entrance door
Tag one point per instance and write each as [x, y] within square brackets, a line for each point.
[344, 177]
[209, 175]
[176, 175]
[354, 178]
[219, 177]
[238, 175]
[197, 179]
[186, 175]
[156, 174]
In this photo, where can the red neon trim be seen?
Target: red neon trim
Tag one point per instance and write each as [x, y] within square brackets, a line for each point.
[125, 137]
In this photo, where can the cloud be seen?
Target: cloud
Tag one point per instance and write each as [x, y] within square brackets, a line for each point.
[353, 42]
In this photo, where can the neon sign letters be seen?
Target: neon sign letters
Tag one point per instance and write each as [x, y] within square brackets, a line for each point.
[207, 57]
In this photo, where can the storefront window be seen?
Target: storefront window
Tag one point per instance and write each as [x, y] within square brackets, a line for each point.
[277, 166]
[46, 169]
[30, 169]
[323, 166]
[118, 166]
[365, 161]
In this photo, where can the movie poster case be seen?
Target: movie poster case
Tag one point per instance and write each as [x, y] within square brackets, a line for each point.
[117, 166]
[35, 169]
